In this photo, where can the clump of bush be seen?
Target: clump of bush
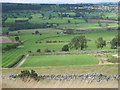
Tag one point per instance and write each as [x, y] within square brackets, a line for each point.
[38, 50]
[113, 60]
[47, 50]
[25, 74]
[65, 48]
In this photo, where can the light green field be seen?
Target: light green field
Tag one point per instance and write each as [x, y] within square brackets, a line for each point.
[12, 20]
[38, 61]
[55, 20]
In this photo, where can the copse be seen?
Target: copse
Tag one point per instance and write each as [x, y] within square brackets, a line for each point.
[100, 43]
[78, 42]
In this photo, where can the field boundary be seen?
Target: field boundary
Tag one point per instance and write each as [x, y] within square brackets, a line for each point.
[76, 53]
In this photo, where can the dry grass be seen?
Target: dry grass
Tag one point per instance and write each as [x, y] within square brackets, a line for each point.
[4, 39]
[74, 69]
[57, 84]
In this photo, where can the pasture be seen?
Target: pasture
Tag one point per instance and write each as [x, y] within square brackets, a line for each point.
[62, 60]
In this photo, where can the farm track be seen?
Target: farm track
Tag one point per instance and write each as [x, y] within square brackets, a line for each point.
[22, 61]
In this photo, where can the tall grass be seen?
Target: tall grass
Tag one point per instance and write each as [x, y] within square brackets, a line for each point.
[57, 84]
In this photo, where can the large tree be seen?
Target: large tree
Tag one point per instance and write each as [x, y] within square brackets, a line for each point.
[78, 42]
[115, 42]
[100, 43]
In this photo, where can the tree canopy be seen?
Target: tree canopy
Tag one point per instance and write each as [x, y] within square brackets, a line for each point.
[78, 42]
[115, 42]
[100, 43]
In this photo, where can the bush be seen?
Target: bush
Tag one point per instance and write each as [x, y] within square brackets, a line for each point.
[38, 50]
[24, 75]
[65, 48]
[47, 50]
[113, 60]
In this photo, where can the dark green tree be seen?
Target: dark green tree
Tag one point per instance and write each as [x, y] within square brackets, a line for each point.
[78, 42]
[50, 16]
[36, 32]
[38, 50]
[65, 48]
[69, 21]
[7, 33]
[17, 38]
[100, 43]
[115, 42]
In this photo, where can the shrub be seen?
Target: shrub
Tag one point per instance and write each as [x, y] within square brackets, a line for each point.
[65, 48]
[29, 51]
[53, 50]
[47, 50]
[113, 60]
[38, 50]
[24, 75]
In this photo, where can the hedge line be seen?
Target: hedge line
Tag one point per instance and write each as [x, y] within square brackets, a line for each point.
[14, 63]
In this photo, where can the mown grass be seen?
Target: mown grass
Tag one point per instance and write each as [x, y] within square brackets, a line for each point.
[62, 60]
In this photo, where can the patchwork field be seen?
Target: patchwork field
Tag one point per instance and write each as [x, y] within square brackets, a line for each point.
[49, 35]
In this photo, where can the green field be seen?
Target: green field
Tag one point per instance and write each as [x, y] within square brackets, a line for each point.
[52, 21]
[38, 61]
[89, 26]
[49, 34]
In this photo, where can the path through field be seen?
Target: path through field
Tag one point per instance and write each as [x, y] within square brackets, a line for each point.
[26, 56]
